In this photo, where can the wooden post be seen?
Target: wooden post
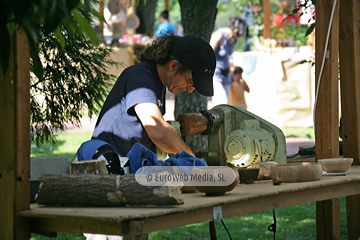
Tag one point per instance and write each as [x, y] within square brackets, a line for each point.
[327, 111]
[15, 140]
[267, 22]
[101, 10]
[212, 230]
[350, 98]
[167, 6]
[350, 77]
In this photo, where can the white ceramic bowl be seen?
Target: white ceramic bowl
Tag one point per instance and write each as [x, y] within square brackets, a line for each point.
[335, 165]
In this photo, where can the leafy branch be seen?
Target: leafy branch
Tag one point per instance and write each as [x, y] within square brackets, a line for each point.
[74, 83]
[74, 16]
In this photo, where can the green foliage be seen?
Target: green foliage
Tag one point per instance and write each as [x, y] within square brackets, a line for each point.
[293, 223]
[60, 236]
[291, 32]
[75, 81]
[310, 29]
[31, 15]
[300, 132]
[69, 72]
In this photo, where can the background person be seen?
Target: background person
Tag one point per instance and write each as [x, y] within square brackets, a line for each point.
[223, 41]
[165, 25]
[133, 111]
[115, 16]
[238, 89]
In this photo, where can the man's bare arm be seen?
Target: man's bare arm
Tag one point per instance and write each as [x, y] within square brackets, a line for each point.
[160, 132]
[215, 40]
[246, 86]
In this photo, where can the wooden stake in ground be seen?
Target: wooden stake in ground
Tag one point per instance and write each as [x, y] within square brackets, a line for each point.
[102, 190]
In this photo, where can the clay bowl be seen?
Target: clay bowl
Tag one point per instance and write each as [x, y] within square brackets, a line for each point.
[296, 172]
[217, 187]
[335, 165]
[248, 175]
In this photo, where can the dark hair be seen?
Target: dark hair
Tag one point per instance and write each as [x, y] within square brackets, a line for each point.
[165, 14]
[159, 51]
[114, 7]
[239, 24]
[238, 70]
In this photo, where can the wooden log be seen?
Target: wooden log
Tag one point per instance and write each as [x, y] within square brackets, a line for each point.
[192, 124]
[89, 167]
[102, 190]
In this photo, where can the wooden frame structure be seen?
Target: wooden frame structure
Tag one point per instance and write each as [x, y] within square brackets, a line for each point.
[138, 221]
[15, 130]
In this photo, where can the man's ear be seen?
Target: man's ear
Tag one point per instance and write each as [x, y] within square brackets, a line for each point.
[173, 65]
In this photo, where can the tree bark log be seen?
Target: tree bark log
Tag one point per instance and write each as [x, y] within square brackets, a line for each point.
[145, 10]
[198, 19]
[89, 167]
[102, 190]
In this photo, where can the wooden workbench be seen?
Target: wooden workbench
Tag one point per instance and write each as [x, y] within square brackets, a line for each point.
[244, 199]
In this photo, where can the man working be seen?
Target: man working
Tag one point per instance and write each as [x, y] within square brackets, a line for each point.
[133, 111]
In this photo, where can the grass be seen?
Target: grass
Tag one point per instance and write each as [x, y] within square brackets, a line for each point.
[67, 145]
[300, 132]
[295, 222]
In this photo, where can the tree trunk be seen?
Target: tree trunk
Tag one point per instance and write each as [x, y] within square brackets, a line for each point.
[145, 10]
[198, 19]
[102, 190]
[89, 167]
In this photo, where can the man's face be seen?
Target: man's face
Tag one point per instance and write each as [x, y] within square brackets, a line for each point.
[181, 82]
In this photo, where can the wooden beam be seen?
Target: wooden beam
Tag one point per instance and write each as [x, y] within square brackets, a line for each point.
[349, 55]
[327, 212]
[101, 10]
[15, 140]
[350, 77]
[327, 110]
[267, 22]
[352, 214]
[167, 6]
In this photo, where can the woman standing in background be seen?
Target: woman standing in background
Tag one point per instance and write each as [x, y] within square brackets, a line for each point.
[223, 41]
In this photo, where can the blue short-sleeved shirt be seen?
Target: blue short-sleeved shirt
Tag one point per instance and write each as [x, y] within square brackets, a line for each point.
[118, 123]
[164, 28]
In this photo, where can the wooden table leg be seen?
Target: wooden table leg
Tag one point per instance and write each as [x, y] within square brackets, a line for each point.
[212, 229]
